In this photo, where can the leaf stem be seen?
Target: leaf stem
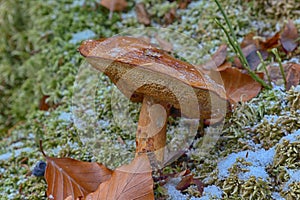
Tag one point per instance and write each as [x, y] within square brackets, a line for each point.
[237, 48]
[275, 52]
[264, 66]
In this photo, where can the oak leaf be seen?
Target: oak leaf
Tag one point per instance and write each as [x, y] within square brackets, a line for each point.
[68, 177]
[128, 182]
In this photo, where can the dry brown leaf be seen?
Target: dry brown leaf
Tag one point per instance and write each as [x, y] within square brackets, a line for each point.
[293, 75]
[185, 182]
[217, 59]
[199, 184]
[170, 16]
[114, 5]
[250, 52]
[270, 43]
[289, 36]
[239, 87]
[133, 181]
[43, 105]
[142, 14]
[249, 39]
[68, 177]
[182, 4]
[224, 66]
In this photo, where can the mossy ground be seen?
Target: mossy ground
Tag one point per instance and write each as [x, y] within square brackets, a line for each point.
[38, 59]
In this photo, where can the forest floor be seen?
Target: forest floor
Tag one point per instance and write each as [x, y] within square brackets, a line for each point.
[254, 156]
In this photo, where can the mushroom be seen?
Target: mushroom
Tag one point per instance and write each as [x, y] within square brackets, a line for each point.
[162, 83]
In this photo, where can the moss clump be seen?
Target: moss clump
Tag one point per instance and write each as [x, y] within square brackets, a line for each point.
[252, 188]
[293, 192]
[256, 188]
[277, 9]
[287, 154]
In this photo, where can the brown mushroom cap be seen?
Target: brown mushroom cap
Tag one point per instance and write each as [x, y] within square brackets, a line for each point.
[138, 69]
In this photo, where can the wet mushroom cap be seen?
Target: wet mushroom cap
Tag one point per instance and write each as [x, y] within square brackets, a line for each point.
[138, 68]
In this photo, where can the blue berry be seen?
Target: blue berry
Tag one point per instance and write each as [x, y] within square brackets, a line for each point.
[39, 168]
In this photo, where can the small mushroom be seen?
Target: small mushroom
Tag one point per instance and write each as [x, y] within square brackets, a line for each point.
[162, 83]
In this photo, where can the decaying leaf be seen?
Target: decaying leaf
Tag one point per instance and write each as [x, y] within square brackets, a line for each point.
[182, 4]
[68, 177]
[292, 75]
[250, 51]
[289, 36]
[142, 14]
[239, 87]
[185, 182]
[270, 43]
[170, 16]
[133, 181]
[114, 5]
[188, 180]
[43, 105]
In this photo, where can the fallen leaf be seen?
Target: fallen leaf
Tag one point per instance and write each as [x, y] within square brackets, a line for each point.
[224, 66]
[249, 40]
[270, 43]
[142, 14]
[239, 87]
[170, 16]
[43, 105]
[114, 5]
[133, 181]
[254, 60]
[217, 59]
[293, 75]
[250, 52]
[68, 177]
[289, 36]
[182, 4]
[185, 182]
[199, 184]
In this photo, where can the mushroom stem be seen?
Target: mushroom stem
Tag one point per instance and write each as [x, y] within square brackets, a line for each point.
[152, 125]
